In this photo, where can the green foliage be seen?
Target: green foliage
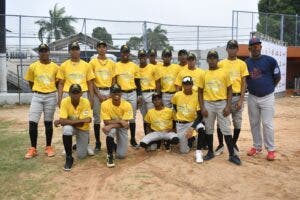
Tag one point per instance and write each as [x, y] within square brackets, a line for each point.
[101, 34]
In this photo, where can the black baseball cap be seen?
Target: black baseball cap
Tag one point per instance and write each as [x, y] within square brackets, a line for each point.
[152, 52]
[166, 52]
[101, 43]
[43, 47]
[231, 44]
[213, 54]
[187, 80]
[254, 41]
[142, 52]
[182, 52]
[74, 45]
[191, 56]
[75, 89]
[125, 49]
[156, 95]
[115, 89]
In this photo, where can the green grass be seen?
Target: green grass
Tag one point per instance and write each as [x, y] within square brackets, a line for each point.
[20, 178]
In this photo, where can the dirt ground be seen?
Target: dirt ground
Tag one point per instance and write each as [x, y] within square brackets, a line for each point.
[144, 175]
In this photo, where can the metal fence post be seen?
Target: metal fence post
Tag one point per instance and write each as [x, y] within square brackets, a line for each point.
[145, 42]
[281, 27]
[20, 54]
[84, 22]
[237, 25]
[267, 24]
[232, 24]
[296, 30]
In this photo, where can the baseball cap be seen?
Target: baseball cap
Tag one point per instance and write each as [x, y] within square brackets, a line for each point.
[125, 49]
[43, 46]
[166, 52]
[75, 89]
[254, 40]
[232, 44]
[182, 52]
[74, 45]
[142, 52]
[152, 52]
[101, 43]
[115, 89]
[191, 56]
[212, 54]
[156, 94]
[187, 80]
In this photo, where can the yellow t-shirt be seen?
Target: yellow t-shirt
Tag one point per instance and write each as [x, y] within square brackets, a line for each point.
[187, 106]
[160, 120]
[237, 70]
[104, 71]
[82, 111]
[110, 112]
[148, 76]
[215, 84]
[43, 76]
[168, 76]
[197, 75]
[126, 73]
[75, 73]
[183, 67]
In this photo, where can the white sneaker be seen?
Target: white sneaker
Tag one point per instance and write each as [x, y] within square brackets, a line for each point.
[90, 151]
[199, 158]
[219, 150]
[153, 147]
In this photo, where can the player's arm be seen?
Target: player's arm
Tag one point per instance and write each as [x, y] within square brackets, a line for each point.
[72, 122]
[227, 108]
[158, 86]
[242, 96]
[30, 84]
[61, 84]
[201, 102]
[90, 84]
[178, 88]
[137, 82]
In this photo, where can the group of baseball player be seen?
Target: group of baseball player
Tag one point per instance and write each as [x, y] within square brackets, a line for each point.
[179, 103]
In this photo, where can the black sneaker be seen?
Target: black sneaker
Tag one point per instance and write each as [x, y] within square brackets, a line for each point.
[69, 163]
[235, 159]
[134, 144]
[209, 155]
[168, 147]
[110, 161]
[219, 150]
[97, 146]
[74, 147]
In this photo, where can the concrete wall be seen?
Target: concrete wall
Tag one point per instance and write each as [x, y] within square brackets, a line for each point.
[13, 98]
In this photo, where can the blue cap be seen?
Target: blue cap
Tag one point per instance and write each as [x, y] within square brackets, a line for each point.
[254, 41]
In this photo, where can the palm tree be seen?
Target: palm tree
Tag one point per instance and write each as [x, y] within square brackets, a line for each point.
[157, 38]
[57, 25]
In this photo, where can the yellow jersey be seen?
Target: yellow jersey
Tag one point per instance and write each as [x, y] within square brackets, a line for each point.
[111, 112]
[148, 76]
[196, 74]
[75, 73]
[168, 76]
[160, 120]
[104, 71]
[187, 106]
[82, 111]
[43, 76]
[215, 84]
[237, 70]
[126, 73]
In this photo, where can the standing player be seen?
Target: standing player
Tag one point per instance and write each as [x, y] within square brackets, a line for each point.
[41, 77]
[167, 73]
[264, 76]
[103, 69]
[215, 94]
[238, 71]
[75, 117]
[182, 58]
[116, 113]
[127, 76]
[152, 54]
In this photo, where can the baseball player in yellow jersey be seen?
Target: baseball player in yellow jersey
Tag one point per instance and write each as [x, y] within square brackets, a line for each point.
[104, 70]
[215, 94]
[159, 122]
[182, 58]
[238, 72]
[152, 55]
[127, 76]
[41, 77]
[167, 74]
[75, 117]
[116, 113]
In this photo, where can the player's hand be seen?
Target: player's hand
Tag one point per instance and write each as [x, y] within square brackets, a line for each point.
[124, 124]
[238, 105]
[226, 111]
[106, 129]
[58, 103]
[102, 98]
[189, 132]
[139, 101]
[204, 112]
[79, 124]
[57, 123]
[92, 103]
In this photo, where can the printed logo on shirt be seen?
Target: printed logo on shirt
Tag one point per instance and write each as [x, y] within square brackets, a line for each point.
[256, 73]
[276, 70]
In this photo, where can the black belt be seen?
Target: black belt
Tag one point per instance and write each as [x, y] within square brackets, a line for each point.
[169, 92]
[43, 92]
[103, 88]
[128, 91]
[150, 90]
[182, 122]
[236, 94]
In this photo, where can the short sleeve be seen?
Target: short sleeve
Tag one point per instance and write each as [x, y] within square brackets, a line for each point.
[86, 111]
[244, 70]
[128, 113]
[90, 74]
[174, 99]
[60, 73]
[178, 80]
[29, 76]
[147, 117]
[136, 71]
[227, 78]
[276, 69]
[104, 113]
[63, 112]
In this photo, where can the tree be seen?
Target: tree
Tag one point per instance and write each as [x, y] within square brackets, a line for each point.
[135, 43]
[101, 34]
[270, 24]
[57, 26]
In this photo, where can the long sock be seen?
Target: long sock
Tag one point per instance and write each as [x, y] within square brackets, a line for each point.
[132, 130]
[49, 132]
[236, 133]
[145, 130]
[210, 140]
[97, 132]
[33, 133]
[110, 145]
[201, 138]
[229, 143]
[67, 140]
[220, 137]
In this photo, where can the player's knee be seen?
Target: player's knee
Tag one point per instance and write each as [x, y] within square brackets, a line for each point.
[82, 154]
[68, 130]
